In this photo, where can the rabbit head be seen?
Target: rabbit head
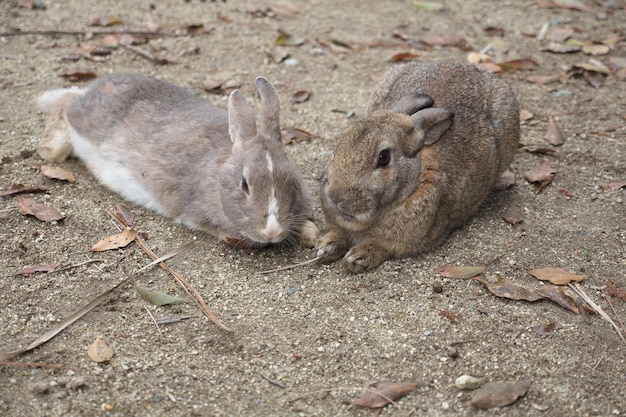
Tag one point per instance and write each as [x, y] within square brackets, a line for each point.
[262, 192]
[376, 164]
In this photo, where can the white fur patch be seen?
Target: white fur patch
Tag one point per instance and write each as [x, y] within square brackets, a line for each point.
[270, 162]
[112, 172]
[272, 228]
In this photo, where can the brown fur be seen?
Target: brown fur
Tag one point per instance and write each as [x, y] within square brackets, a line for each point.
[444, 162]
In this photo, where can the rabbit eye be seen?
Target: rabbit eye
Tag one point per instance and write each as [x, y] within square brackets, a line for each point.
[384, 157]
[244, 186]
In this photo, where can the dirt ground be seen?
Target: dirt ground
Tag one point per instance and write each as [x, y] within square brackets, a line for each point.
[315, 329]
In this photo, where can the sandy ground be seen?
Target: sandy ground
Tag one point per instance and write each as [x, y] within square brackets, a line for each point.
[315, 327]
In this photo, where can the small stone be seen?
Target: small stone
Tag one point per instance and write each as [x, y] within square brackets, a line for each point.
[467, 382]
[437, 287]
[40, 388]
[452, 352]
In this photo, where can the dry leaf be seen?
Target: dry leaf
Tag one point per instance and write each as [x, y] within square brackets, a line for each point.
[27, 270]
[106, 21]
[463, 272]
[499, 394]
[594, 79]
[285, 39]
[384, 393]
[613, 186]
[560, 48]
[490, 67]
[300, 96]
[557, 294]
[572, 4]
[293, 134]
[560, 34]
[541, 176]
[157, 298]
[505, 288]
[41, 212]
[99, 351]
[197, 29]
[21, 188]
[544, 79]
[57, 173]
[457, 42]
[525, 115]
[594, 66]
[124, 215]
[553, 134]
[284, 9]
[279, 54]
[596, 49]
[494, 31]
[120, 240]
[430, 6]
[76, 74]
[518, 65]
[541, 151]
[513, 214]
[556, 276]
[547, 329]
[403, 56]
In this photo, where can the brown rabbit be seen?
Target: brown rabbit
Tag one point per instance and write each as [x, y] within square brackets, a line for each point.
[406, 175]
[163, 147]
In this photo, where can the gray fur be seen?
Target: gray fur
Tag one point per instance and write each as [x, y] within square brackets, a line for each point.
[165, 148]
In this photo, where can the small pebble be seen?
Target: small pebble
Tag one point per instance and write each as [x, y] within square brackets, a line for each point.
[467, 382]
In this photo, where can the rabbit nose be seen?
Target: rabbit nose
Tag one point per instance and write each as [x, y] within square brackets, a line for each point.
[272, 229]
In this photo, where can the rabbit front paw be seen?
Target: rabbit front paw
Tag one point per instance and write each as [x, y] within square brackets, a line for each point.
[309, 234]
[364, 257]
[330, 247]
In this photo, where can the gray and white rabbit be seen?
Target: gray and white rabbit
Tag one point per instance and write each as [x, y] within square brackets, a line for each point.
[405, 176]
[167, 149]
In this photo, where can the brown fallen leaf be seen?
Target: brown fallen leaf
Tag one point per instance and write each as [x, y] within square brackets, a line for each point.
[560, 34]
[27, 270]
[499, 393]
[525, 115]
[544, 79]
[294, 135]
[41, 212]
[300, 96]
[383, 394]
[594, 79]
[404, 56]
[120, 240]
[518, 65]
[513, 214]
[596, 49]
[217, 87]
[557, 276]
[106, 21]
[463, 272]
[76, 74]
[547, 329]
[553, 133]
[542, 176]
[490, 67]
[124, 215]
[593, 65]
[494, 31]
[21, 188]
[99, 351]
[57, 173]
[279, 54]
[541, 150]
[560, 48]
[556, 293]
[613, 186]
[502, 287]
[458, 42]
[284, 8]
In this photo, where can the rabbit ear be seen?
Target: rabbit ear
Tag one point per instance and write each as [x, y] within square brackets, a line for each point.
[412, 103]
[428, 126]
[241, 123]
[270, 109]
